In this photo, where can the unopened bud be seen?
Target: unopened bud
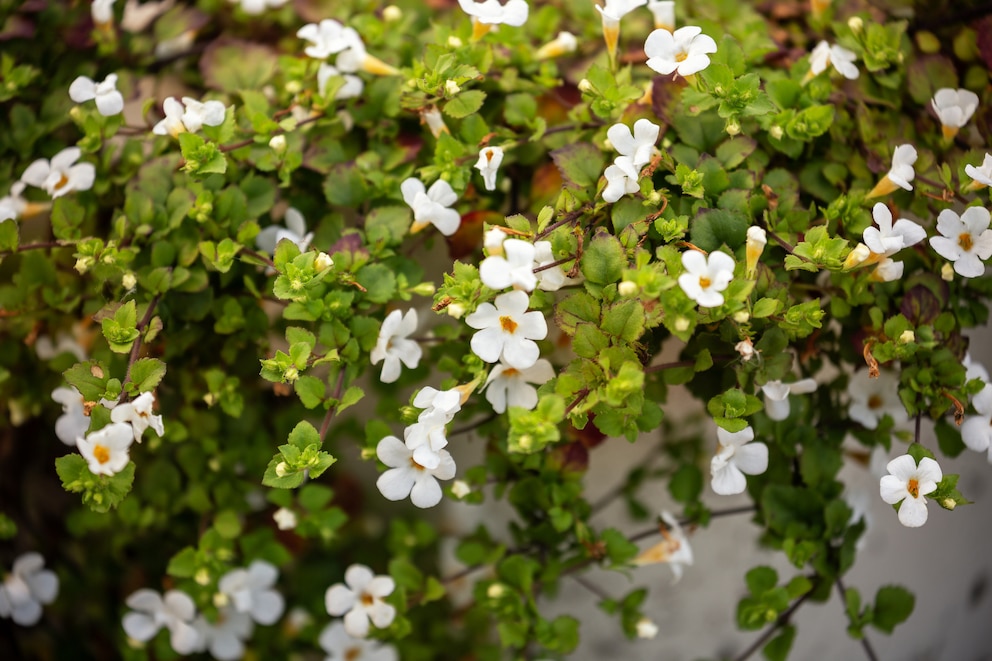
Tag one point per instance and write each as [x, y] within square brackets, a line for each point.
[907, 336]
[293, 87]
[455, 310]
[856, 24]
[946, 272]
[83, 264]
[742, 316]
[323, 262]
[860, 253]
[495, 591]
[424, 289]
[454, 42]
[392, 13]
[282, 469]
[627, 288]
[451, 88]
[682, 324]
[585, 85]
[460, 489]
[646, 629]
[948, 503]
[776, 132]
[733, 128]
[202, 576]
[291, 374]
[129, 281]
[757, 239]
[220, 599]
[745, 349]
[278, 144]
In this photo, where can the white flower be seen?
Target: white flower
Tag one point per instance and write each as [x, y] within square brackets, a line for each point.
[617, 9]
[564, 43]
[908, 483]
[295, 231]
[954, 108]
[515, 267]
[327, 38]
[976, 432]
[646, 629]
[685, 51]
[706, 277]
[888, 238]
[199, 114]
[621, 179]
[757, 239]
[637, 146]
[26, 589]
[106, 450]
[873, 398]
[73, 422]
[447, 402]
[62, 174]
[139, 414]
[460, 489]
[973, 369]
[13, 205]
[552, 278]
[407, 477]
[735, 456]
[841, 58]
[361, 600]
[250, 591]
[431, 206]
[982, 175]
[109, 101]
[394, 346]
[224, 639]
[900, 174]
[285, 518]
[673, 548]
[492, 241]
[435, 122]
[256, 7]
[340, 646]
[511, 387]
[428, 436]
[102, 11]
[137, 16]
[172, 123]
[966, 240]
[352, 87]
[151, 612]
[491, 12]
[507, 330]
[664, 14]
[488, 163]
[777, 396]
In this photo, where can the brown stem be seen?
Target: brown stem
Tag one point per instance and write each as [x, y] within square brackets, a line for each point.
[136, 347]
[551, 265]
[259, 256]
[38, 246]
[865, 644]
[580, 396]
[570, 217]
[326, 424]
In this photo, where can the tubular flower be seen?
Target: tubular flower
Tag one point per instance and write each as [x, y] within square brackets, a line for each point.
[62, 174]
[777, 396]
[488, 13]
[563, 44]
[431, 205]
[982, 175]
[908, 483]
[393, 345]
[673, 548]
[621, 179]
[736, 456]
[886, 240]
[489, 161]
[825, 55]
[356, 58]
[109, 101]
[953, 108]
[139, 414]
[507, 330]
[757, 239]
[706, 277]
[900, 174]
[664, 14]
[360, 599]
[965, 240]
[611, 13]
[685, 51]
[637, 145]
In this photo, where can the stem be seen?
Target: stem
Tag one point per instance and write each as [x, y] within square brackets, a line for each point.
[551, 265]
[936, 184]
[592, 587]
[869, 650]
[744, 509]
[259, 256]
[474, 425]
[38, 246]
[782, 620]
[136, 347]
[570, 217]
[782, 242]
[581, 395]
[326, 424]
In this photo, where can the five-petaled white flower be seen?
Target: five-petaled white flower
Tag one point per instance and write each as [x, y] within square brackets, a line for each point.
[664, 14]
[73, 422]
[62, 174]
[351, 88]
[26, 589]
[515, 267]
[873, 398]
[394, 346]
[706, 277]
[889, 238]
[151, 612]
[285, 518]
[431, 206]
[327, 38]
[492, 12]
[735, 456]
[489, 161]
[507, 330]
[908, 484]
[189, 115]
[621, 179]
[637, 145]
[361, 600]
[976, 432]
[900, 174]
[255, 7]
[224, 639]
[109, 101]
[981, 174]
[674, 548]
[139, 414]
[295, 231]
[507, 386]
[407, 477]
[953, 108]
[340, 646]
[965, 240]
[250, 591]
[825, 55]
[777, 396]
[106, 450]
[685, 51]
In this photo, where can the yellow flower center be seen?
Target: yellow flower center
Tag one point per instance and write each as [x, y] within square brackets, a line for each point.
[101, 453]
[63, 180]
[367, 599]
[681, 57]
[913, 487]
[415, 465]
[705, 282]
[508, 324]
[874, 402]
[964, 240]
[352, 654]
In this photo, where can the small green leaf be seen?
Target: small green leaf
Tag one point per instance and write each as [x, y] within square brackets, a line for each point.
[893, 606]
[465, 104]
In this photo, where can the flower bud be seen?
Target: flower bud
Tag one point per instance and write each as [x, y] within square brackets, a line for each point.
[742, 316]
[460, 489]
[646, 629]
[948, 503]
[323, 262]
[495, 591]
[455, 310]
[745, 349]
[392, 13]
[291, 374]
[907, 336]
[860, 253]
[220, 599]
[757, 239]
[856, 24]
[293, 87]
[278, 144]
[83, 264]
[368, 453]
[129, 281]
[776, 132]
[454, 42]
[682, 324]
[202, 576]
[627, 288]
[282, 469]
[451, 88]
[285, 518]
[733, 128]
[424, 289]
[947, 272]
[585, 85]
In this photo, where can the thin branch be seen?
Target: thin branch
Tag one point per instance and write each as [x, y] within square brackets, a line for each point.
[570, 217]
[744, 509]
[865, 644]
[326, 424]
[136, 347]
[474, 425]
[39, 246]
[592, 587]
[259, 256]
[782, 621]
[551, 265]
[579, 398]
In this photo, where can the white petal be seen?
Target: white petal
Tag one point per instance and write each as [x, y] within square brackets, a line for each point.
[426, 491]
[728, 480]
[913, 512]
[892, 489]
[752, 458]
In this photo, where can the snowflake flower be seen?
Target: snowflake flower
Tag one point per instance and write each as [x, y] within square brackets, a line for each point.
[489, 161]
[621, 179]
[26, 589]
[637, 145]
[407, 477]
[295, 231]
[62, 174]
[965, 240]
[431, 206]
[139, 414]
[250, 591]
[515, 267]
[685, 51]
[777, 396]
[888, 238]
[954, 108]
[871, 399]
[735, 456]
[562, 44]
[664, 14]
[673, 548]
[361, 600]
[508, 386]
[706, 277]
[73, 422]
[109, 101]
[327, 38]
[393, 345]
[825, 55]
[255, 7]
[982, 174]
[151, 612]
[507, 330]
[487, 13]
[900, 174]
[352, 88]
[106, 450]
[611, 15]
[976, 432]
[224, 639]
[908, 484]
[341, 646]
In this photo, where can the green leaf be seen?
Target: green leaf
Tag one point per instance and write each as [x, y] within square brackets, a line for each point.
[303, 435]
[713, 228]
[345, 186]
[778, 647]
[231, 65]
[465, 104]
[580, 164]
[89, 378]
[310, 390]
[603, 260]
[227, 524]
[893, 606]
[8, 236]
[146, 374]
[761, 579]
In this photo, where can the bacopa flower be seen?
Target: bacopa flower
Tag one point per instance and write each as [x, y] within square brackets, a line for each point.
[900, 174]
[407, 477]
[62, 174]
[612, 12]
[295, 230]
[664, 14]
[285, 518]
[341, 646]
[735, 456]
[73, 422]
[976, 432]
[488, 164]
[360, 599]
[13, 205]
[106, 450]
[189, 115]
[250, 591]
[109, 101]
[393, 345]
[255, 7]
[825, 55]
[102, 11]
[356, 58]
[637, 145]
[327, 38]
[507, 330]
[488, 13]
[506, 386]
[908, 483]
[965, 240]
[562, 44]
[954, 108]
[224, 639]
[889, 238]
[431, 206]
[515, 267]
[757, 239]
[871, 399]
[673, 549]
[151, 612]
[352, 87]
[777, 396]
[549, 278]
[706, 277]
[139, 414]
[428, 435]
[621, 179]
[982, 175]
[685, 51]
[26, 589]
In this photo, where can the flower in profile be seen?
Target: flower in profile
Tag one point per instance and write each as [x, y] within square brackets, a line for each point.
[515, 267]
[953, 108]
[976, 432]
[151, 612]
[341, 646]
[506, 330]
[106, 450]
[889, 238]
[706, 277]
[637, 145]
[256, 7]
[295, 230]
[908, 483]
[327, 38]
[487, 13]
[73, 422]
[172, 123]
[757, 239]
[900, 174]
[685, 51]
[871, 399]
[360, 599]
[621, 179]
[109, 101]
[431, 206]
[777, 396]
[62, 174]
[435, 122]
[352, 87]
[224, 639]
[407, 477]
[673, 548]
[507, 386]
[562, 44]
[551, 277]
[26, 589]
[825, 55]
[612, 12]
[199, 114]
[13, 205]
[489, 161]
[250, 591]
[664, 14]
[965, 240]
[394, 345]
[735, 456]
[139, 414]
[982, 175]
[355, 58]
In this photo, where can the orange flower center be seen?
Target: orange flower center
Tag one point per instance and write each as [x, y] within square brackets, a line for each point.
[508, 324]
[874, 402]
[415, 465]
[964, 240]
[353, 654]
[705, 282]
[681, 57]
[101, 453]
[367, 599]
[913, 487]
[63, 180]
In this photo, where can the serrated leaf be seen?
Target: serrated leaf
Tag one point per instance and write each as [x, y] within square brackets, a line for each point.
[465, 104]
